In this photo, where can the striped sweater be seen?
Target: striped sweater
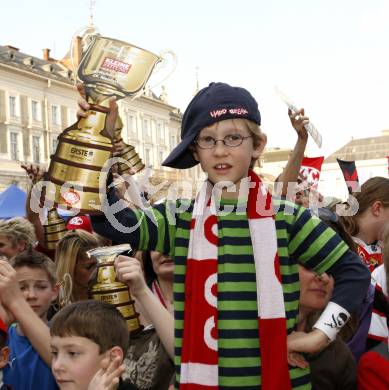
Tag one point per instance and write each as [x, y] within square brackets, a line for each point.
[300, 236]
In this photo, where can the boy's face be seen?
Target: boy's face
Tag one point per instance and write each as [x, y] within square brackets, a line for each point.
[36, 289]
[75, 361]
[10, 249]
[223, 163]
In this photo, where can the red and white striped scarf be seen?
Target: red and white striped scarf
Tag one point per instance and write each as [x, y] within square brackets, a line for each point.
[199, 360]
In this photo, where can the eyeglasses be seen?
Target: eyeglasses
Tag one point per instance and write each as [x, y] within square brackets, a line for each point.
[230, 140]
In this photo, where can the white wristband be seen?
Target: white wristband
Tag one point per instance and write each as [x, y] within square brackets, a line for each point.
[332, 320]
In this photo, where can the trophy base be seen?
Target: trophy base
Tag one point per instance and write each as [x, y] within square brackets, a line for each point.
[83, 200]
[117, 295]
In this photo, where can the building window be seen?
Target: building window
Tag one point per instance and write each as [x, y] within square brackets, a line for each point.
[35, 111]
[160, 157]
[36, 149]
[14, 138]
[131, 124]
[12, 107]
[72, 116]
[172, 141]
[55, 120]
[146, 127]
[147, 157]
[54, 143]
[160, 130]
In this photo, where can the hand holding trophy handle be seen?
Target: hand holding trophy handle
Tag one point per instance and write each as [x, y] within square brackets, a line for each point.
[85, 109]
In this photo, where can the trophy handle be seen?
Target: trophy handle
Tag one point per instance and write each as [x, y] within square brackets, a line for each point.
[163, 67]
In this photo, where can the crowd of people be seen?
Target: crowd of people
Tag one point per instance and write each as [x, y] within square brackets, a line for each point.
[242, 287]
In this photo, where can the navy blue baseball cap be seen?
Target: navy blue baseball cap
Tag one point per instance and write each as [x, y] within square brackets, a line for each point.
[215, 103]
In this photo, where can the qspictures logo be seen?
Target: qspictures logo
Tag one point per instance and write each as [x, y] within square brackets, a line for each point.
[115, 65]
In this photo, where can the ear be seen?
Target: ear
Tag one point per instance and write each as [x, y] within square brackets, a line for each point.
[376, 208]
[115, 353]
[4, 354]
[21, 245]
[258, 149]
[55, 291]
[195, 155]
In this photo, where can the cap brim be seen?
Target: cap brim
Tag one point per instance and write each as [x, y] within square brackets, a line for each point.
[181, 157]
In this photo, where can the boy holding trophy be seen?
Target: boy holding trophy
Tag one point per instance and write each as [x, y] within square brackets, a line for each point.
[236, 251]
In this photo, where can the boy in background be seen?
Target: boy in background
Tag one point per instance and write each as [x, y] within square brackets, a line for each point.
[28, 297]
[89, 340]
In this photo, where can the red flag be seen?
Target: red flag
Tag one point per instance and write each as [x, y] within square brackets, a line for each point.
[350, 174]
[310, 171]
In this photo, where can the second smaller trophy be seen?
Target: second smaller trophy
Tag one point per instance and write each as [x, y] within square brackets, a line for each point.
[108, 289]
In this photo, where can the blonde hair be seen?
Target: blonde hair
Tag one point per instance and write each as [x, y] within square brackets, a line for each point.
[18, 229]
[70, 249]
[373, 190]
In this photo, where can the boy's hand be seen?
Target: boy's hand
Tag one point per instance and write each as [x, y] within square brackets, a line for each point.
[9, 286]
[298, 121]
[34, 172]
[301, 342]
[112, 116]
[129, 271]
[107, 378]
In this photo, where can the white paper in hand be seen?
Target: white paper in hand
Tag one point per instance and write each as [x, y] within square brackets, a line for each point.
[313, 132]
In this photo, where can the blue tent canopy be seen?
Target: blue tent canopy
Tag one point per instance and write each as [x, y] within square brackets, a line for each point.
[12, 202]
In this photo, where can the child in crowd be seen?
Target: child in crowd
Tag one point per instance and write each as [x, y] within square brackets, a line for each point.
[32, 290]
[89, 340]
[4, 353]
[16, 235]
[378, 331]
[373, 370]
[236, 289]
[370, 220]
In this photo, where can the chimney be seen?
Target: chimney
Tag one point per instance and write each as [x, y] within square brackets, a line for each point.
[12, 47]
[46, 54]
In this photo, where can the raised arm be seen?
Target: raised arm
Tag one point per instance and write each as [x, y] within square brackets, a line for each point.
[129, 271]
[33, 327]
[35, 174]
[290, 173]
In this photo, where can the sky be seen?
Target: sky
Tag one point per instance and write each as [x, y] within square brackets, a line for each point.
[329, 56]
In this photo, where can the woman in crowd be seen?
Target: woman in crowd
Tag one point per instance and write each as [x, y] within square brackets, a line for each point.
[370, 218]
[16, 235]
[334, 367]
[73, 266]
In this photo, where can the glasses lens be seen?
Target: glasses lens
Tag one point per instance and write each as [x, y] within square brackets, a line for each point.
[206, 142]
[233, 139]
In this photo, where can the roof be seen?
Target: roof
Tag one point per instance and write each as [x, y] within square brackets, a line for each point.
[275, 155]
[362, 149]
[49, 69]
[12, 202]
